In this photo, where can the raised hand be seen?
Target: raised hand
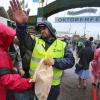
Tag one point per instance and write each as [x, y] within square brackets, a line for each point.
[19, 16]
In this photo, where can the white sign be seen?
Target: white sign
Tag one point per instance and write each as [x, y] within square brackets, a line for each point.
[86, 10]
[83, 19]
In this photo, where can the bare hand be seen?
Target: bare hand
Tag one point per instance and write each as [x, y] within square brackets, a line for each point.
[31, 81]
[15, 69]
[19, 16]
[49, 61]
[21, 72]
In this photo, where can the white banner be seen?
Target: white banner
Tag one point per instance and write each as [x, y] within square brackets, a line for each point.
[86, 10]
[83, 19]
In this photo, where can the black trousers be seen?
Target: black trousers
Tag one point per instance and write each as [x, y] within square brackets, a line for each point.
[24, 95]
[54, 93]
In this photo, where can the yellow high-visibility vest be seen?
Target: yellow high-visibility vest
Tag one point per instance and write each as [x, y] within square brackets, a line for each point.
[56, 50]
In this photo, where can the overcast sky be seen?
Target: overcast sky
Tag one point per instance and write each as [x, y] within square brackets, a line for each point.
[32, 5]
[91, 29]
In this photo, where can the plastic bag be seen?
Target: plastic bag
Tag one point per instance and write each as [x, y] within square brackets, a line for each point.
[43, 79]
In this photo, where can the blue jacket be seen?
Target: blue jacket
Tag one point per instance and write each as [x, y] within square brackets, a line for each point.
[25, 39]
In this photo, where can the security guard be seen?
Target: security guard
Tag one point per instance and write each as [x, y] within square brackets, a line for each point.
[53, 50]
[46, 46]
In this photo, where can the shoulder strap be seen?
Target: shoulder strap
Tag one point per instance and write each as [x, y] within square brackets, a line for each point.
[4, 71]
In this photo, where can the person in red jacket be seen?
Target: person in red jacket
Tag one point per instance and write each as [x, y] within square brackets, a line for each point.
[95, 70]
[9, 80]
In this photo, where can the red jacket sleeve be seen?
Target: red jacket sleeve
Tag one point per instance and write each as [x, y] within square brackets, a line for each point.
[15, 82]
[12, 81]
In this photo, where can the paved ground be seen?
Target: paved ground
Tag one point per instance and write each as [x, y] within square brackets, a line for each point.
[69, 90]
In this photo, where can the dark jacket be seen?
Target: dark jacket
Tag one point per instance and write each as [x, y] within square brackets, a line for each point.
[61, 63]
[85, 55]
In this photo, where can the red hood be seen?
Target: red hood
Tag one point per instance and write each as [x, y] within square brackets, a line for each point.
[6, 36]
[97, 54]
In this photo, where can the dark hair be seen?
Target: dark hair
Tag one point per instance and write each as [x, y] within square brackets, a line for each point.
[91, 38]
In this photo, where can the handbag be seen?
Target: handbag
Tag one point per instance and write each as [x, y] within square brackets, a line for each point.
[78, 67]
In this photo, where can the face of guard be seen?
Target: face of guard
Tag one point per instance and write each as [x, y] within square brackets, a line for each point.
[45, 33]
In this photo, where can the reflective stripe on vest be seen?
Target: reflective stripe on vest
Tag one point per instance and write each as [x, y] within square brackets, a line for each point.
[35, 59]
[56, 50]
[54, 77]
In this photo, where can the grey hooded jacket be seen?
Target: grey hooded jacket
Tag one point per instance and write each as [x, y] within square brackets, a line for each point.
[48, 25]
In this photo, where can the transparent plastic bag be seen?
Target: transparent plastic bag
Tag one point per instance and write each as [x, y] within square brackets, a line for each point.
[43, 79]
